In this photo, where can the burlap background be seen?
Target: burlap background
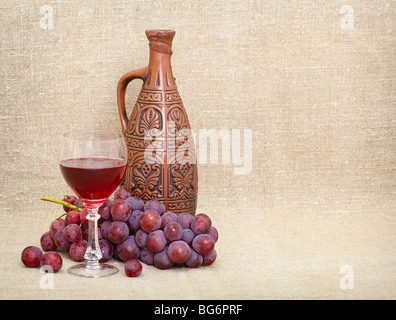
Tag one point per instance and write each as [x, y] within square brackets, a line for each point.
[317, 93]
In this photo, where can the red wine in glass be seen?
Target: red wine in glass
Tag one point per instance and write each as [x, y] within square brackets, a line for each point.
[93, 164]
[93, 179]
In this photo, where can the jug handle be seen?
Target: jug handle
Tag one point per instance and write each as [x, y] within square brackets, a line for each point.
[121, 89]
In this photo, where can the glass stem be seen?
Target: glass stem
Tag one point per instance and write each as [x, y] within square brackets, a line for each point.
[93, 253]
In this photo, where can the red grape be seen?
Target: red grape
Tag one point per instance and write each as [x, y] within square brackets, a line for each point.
[72, 233]
[83, 216]
[120, 210]
[31, 256]
[155, 205]
[209, 258]
[121, 194]
[195, 260]
[60, 240]
[117, 232]
[78, 249]
[56, 225]
[104, 210]
[73, 217]
[156, 241]
[173, 231]
[185, 219]
[150, 221]
[162, 261]
[201, 223]
[53, 260]
[179, 251]
[47, 243]
[133, 268]
[128, 249]
[85, 234]
[203, 244]
[69, 199]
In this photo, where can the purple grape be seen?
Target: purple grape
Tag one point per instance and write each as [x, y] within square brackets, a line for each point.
[103, 228]
[77, 250]
[117, 231]
[53, 260]
[72, 233]
[121, 194]
[56, 225]
[47, 243]
[188, 236]
[115, 254]
[107, 203]
[79, 204]
[156, 241]
[133, 268]
[168, 217]
[162, 261]
[120, 210]
[173, 231]
[136, 203]
[134, 220]
[141, 238]
[203, 244]
[128, 249]
[179, 251]
[185, 219]
[214, 233]
[200, 224]
[195, 259]
[31, 256]
[60, 240]
[209, 258]
[107, 249]
[155, 205]
[147, 256]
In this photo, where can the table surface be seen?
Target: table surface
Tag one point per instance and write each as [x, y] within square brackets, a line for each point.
[301, 256]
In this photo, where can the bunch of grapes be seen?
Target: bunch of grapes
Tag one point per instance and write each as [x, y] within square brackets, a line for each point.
[129, 229]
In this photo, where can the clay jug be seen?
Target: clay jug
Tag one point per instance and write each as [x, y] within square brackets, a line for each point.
[161, 153]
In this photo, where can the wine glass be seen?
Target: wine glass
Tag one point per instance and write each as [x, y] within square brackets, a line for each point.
[93, 164]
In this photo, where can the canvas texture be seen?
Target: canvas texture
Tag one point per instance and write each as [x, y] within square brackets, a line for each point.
[307, 88]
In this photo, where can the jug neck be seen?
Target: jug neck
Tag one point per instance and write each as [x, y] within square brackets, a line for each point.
[162, 59]
[160, 76]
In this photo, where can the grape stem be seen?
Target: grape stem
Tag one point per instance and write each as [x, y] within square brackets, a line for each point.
[67, 204]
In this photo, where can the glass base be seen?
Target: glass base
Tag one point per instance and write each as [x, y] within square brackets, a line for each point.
[98, 271]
